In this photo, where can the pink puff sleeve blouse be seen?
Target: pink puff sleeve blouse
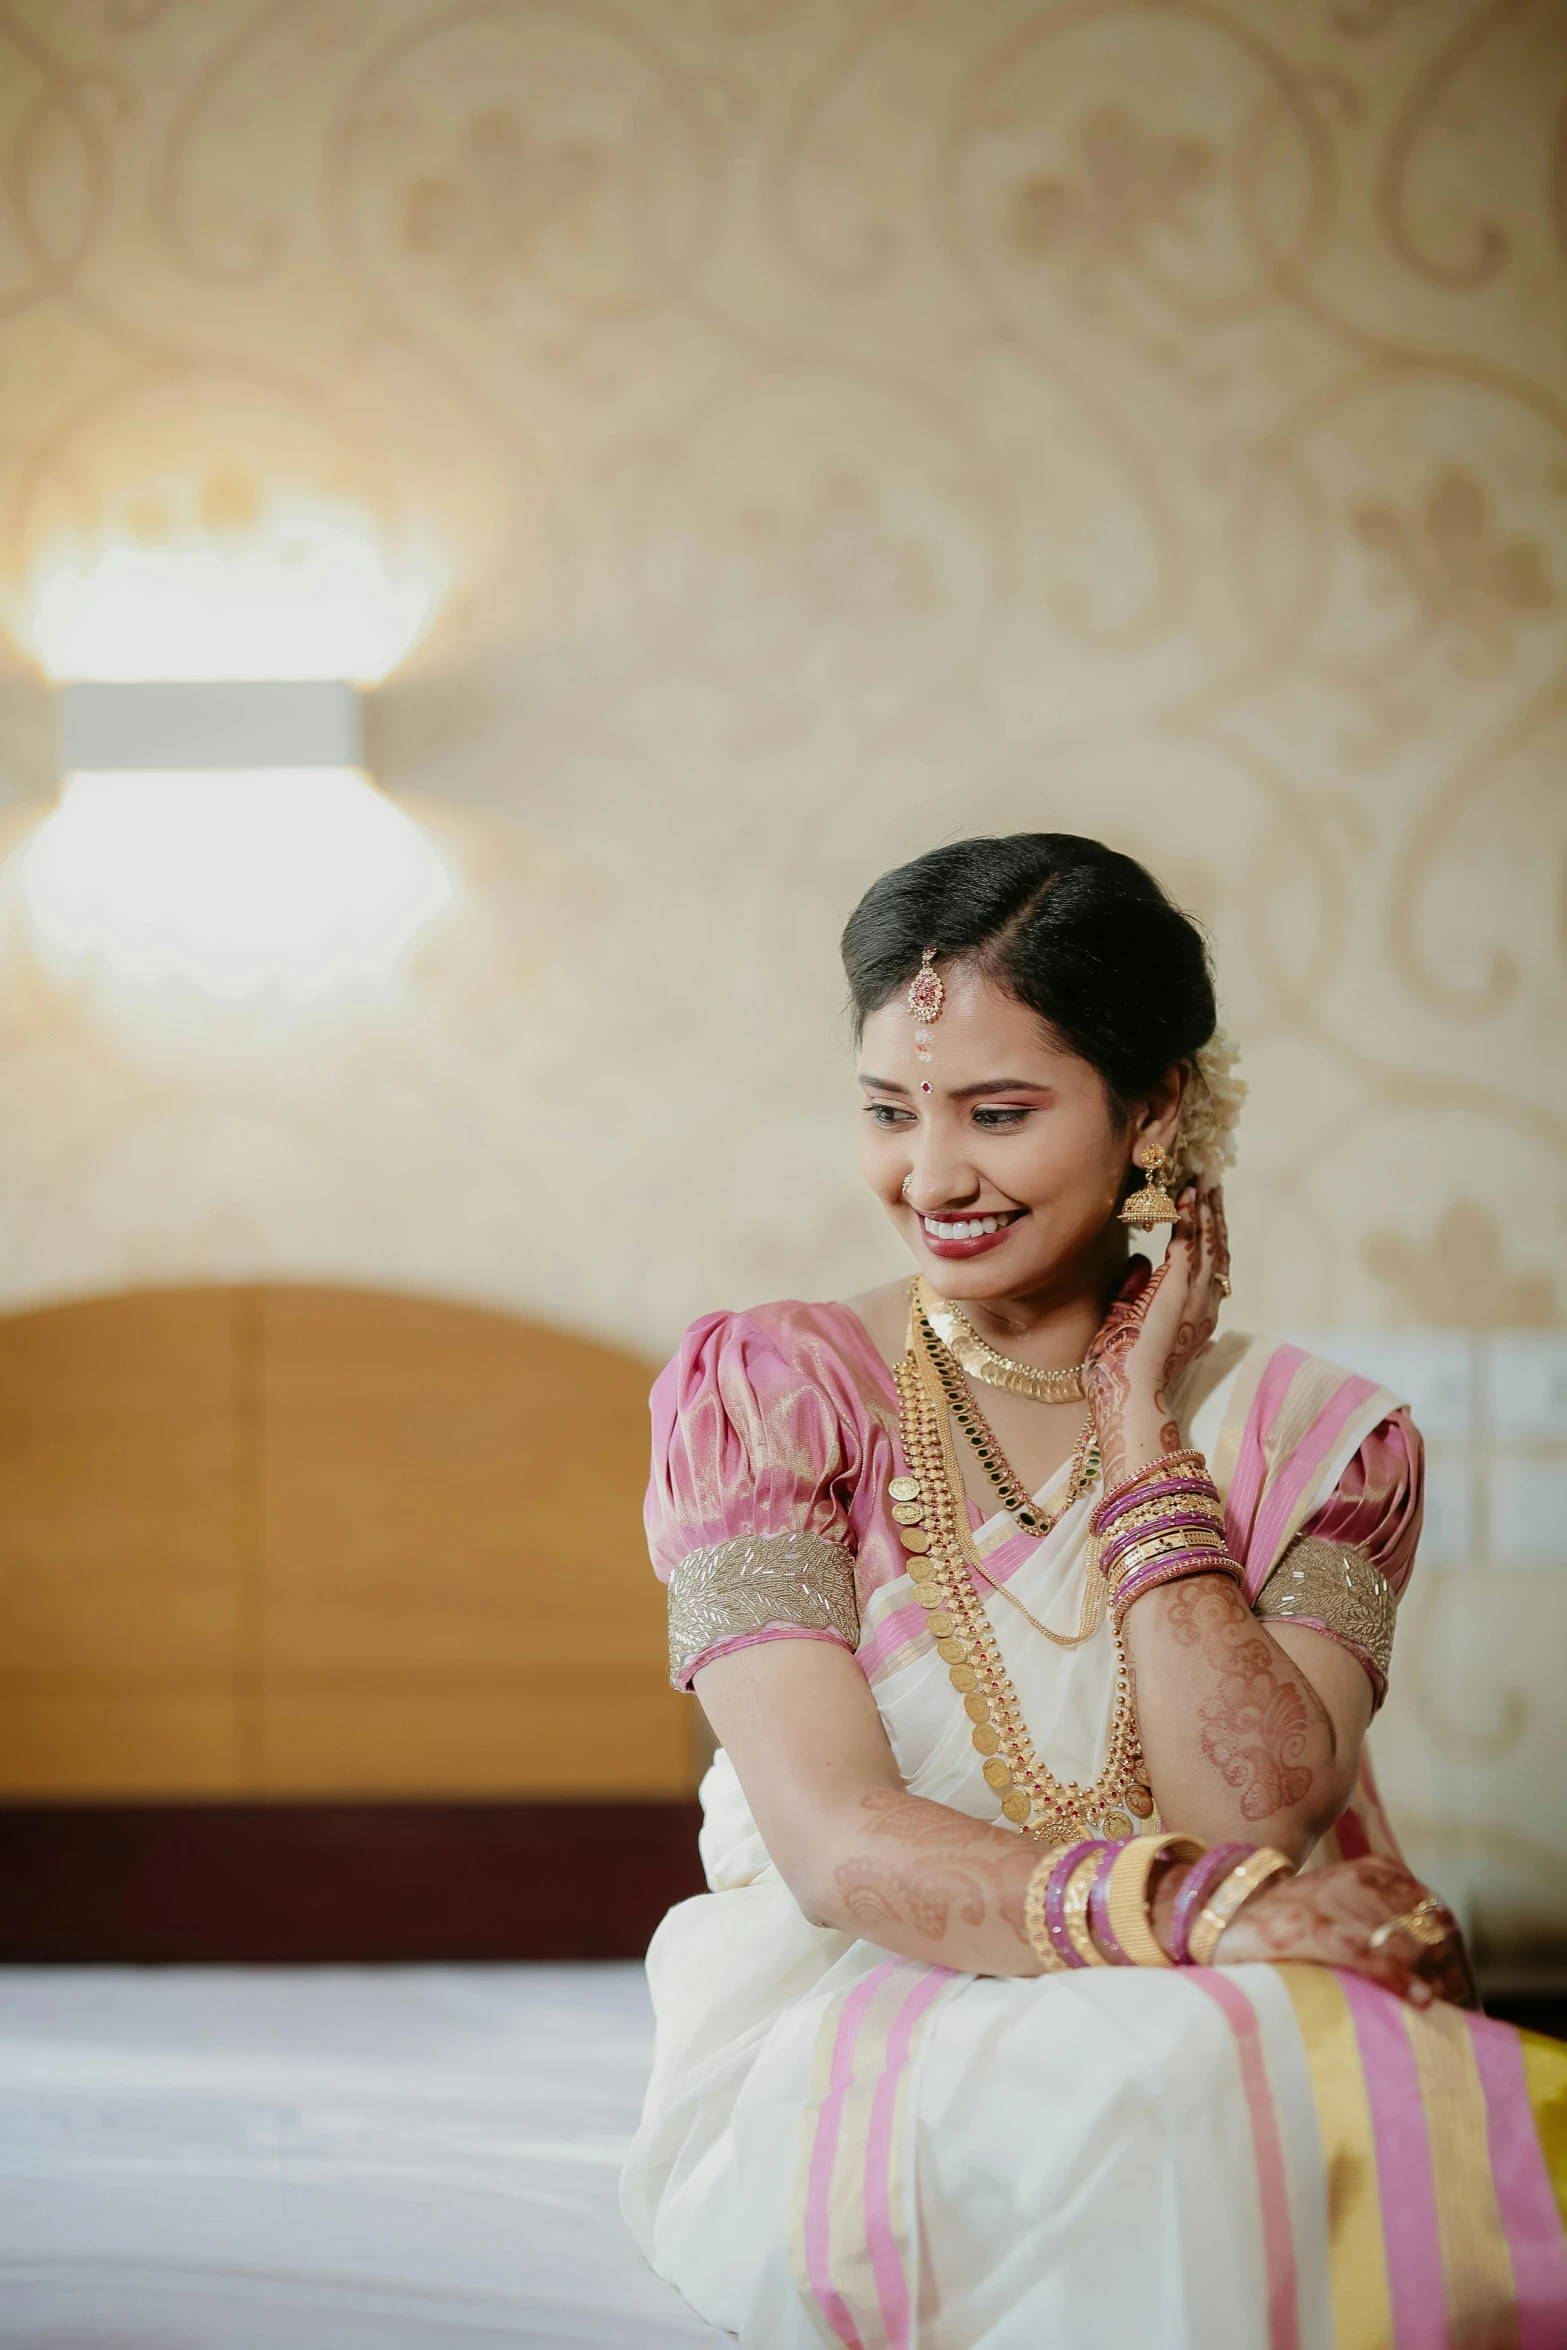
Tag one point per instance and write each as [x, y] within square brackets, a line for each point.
[774, 1437]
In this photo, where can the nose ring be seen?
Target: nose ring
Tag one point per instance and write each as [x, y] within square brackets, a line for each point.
[907, 1180]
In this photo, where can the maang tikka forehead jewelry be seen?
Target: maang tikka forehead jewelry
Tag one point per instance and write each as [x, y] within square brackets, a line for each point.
[925, 999]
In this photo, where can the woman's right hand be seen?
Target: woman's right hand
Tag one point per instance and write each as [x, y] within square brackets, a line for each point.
[1329, 1916]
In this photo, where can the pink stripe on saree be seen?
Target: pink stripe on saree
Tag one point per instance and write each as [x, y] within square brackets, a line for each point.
[824, 2153]
[1278, 2235]
[1524, 2194]
[887, 2246]
[900, 1635]
[1292, 1484]
[1251, 1465]
[1403, 2159]
[1301, 1412]
[855, 2252]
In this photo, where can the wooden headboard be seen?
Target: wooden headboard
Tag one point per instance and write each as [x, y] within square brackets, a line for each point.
[310, 1542]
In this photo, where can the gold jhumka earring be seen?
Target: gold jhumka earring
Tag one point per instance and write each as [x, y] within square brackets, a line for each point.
[1153, 1204]
[925, 998]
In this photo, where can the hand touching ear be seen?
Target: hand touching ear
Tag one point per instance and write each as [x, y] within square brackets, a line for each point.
[1160, 1321]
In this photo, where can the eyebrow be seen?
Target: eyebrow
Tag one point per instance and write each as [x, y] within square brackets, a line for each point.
[962, 1093]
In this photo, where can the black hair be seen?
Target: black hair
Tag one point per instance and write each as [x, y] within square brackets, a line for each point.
[1082, 935]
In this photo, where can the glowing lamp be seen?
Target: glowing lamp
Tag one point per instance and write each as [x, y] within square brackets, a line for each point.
[216, 831]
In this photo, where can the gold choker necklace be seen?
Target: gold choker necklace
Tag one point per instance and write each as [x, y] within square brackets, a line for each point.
[981, 1360]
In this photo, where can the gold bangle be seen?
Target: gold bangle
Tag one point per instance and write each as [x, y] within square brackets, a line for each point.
[1227, 1897]
[1161, 1538]
[1034, 1916]
[1154, 1546]
[1074, 1910]
[1169, 1464]
[1153, 1513]
[1126, 1895]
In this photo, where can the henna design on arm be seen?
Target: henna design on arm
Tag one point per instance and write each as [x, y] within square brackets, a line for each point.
[878, 1893]
[1261, 1720]
[955, 1864]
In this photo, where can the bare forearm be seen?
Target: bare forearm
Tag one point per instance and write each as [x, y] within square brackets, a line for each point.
[927, 1882]
[1238, 1743]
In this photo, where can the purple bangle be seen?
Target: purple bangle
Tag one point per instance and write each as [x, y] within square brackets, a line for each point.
[1109, 1513]
[1099, 1910]
[1173, 1567]
[1055, 1895]
[1175, 1522]
[1201, 1880]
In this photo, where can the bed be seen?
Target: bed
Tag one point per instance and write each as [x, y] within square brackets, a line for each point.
[324, 2159]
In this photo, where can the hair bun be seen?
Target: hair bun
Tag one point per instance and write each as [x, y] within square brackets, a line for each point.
[1210, 1112]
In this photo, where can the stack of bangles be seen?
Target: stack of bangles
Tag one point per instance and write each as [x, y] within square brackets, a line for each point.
[1166, 1522]
[1089, 1905]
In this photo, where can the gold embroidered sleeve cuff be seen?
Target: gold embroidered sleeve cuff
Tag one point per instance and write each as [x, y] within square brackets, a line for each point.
[741, 1590]
[1333, 1587]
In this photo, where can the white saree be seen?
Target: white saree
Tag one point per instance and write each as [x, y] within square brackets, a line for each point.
[844, 2147]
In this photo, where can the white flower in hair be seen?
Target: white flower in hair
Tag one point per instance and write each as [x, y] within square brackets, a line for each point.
[1210, 1112]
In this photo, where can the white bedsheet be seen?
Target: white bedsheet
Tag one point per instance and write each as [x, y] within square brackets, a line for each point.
[323, 2158]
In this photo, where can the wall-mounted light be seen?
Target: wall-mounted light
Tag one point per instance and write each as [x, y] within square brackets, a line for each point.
[216, 830]
[215, 577]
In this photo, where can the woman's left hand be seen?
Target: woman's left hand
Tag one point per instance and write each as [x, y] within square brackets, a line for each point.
[1153, 1332]
[1351, 1915]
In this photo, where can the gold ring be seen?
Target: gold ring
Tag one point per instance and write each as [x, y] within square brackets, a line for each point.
[1221, 1282]
[1419, 1923]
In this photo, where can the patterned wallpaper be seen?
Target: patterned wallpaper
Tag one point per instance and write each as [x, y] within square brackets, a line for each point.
[843, 427]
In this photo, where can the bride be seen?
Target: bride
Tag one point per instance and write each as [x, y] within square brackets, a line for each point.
[1060, 1981]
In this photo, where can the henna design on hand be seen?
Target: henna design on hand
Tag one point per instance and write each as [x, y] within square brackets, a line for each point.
[1107, 1372]
[1260, 1722]
[1128, 1359]
[1328, 1916]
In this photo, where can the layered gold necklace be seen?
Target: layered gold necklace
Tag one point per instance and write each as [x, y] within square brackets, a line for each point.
[982, 1361]
[931, 1507]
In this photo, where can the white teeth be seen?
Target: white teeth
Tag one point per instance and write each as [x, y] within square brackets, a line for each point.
[973, 1228]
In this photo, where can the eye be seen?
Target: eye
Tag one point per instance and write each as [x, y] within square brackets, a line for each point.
[1000, 1117]
[888, 1114]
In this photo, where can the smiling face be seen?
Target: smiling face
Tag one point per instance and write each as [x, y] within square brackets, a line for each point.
[1014, 1155]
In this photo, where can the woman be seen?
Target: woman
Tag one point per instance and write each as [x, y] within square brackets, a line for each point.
[1041, 1630]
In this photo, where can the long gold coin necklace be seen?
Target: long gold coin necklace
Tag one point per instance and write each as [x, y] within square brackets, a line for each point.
[932, 1512]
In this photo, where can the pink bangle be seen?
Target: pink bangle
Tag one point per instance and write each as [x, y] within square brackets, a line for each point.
[1055, 1895]
[1202, 1877]
[1174, 1568]
[1110, 1513]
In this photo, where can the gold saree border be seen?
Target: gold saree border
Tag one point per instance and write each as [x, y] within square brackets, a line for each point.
[1357, 2255]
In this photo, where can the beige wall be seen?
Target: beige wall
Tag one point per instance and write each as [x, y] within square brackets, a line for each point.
[845, 428]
